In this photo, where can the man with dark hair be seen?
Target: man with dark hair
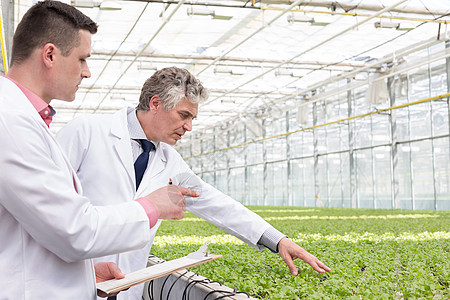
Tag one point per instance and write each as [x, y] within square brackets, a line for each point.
[167, 105]
[49, 21]
[49, 231]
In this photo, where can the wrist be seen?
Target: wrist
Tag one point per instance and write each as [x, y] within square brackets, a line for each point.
[150, 210]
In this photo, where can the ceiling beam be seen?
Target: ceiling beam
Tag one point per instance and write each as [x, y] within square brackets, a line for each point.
[349, 6]
[224, 59]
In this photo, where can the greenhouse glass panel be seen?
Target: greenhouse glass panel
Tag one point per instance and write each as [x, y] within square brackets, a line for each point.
[401, 124]
[401, 89]
[359, 104]
[322, 181]
[208, 177]
[345, 170]
[335, 180]
[255, 186]
[420, 123]
[207, 162]
[276, 183]
[321, 135]
[237, 137]
[196, 164]
[419, 84]
[383, 178]
[422, 175]
[221, 142]
[254, 153]
[222, 181]
[238, 156]
[364, 178]
[332, 138]
[363, 134]
[404, 176]
[220, 159]
[237, 188]
[297, 178]
[343, 136]
[381, 132]
[440, 118]
[207, 144]
[302, 178]
[296, 146]
[442, 169]
[438, 78]
[275, 149]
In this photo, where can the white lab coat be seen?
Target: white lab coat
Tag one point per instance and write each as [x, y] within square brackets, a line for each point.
[99, 149]
[48, 231]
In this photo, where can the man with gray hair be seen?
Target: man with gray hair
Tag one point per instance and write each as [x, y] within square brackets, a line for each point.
[103, 149]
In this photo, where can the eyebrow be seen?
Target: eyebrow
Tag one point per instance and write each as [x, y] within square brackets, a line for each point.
[188, 113]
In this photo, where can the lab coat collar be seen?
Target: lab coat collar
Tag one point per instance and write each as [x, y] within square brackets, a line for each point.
[121, 141]
[122, 146]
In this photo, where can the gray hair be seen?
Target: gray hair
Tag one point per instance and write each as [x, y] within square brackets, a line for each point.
[172, 85]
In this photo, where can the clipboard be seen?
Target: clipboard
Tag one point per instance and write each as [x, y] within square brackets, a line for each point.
[192, 259]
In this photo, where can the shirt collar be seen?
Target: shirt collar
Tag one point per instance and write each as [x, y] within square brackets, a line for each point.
[134, 128]
[45, 110]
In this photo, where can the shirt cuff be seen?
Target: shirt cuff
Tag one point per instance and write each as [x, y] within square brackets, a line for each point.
[150, 210]
[270, 239]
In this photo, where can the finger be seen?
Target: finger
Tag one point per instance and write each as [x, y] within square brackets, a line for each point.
[187, 192]
[181, 216]
[101, 294]
[291, 265]
[323, 266]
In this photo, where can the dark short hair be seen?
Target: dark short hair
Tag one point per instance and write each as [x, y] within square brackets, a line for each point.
[172, 85]
[49, 22]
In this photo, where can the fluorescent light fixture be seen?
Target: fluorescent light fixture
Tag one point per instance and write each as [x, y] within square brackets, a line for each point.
[283, 72]
[384, 24]
[83, 3]
[103, 5]
[287, 72]
[228, 70]
[200, 11]
[203, 11]
[143, 65]
[228, 101]
[110, 5]
[299, 18]
[222, 69]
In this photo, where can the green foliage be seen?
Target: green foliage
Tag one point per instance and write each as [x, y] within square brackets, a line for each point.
[373, 254]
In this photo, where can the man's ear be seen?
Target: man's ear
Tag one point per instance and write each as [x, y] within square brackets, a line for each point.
[155, 103]
[48, 54]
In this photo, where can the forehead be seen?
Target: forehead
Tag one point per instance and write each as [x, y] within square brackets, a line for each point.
[187, 105]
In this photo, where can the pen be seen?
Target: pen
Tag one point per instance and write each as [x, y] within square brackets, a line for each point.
[170, 181]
